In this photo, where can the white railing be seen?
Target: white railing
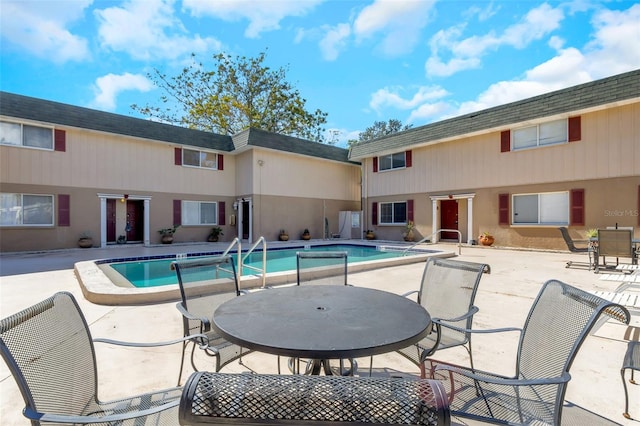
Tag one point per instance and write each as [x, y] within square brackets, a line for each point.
[262, 271]
[430, 238]
[236, 242]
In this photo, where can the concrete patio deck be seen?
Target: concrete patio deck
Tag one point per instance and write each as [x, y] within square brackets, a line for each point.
[595, 394]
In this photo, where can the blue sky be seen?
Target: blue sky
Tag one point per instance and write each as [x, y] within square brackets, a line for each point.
[418, 61]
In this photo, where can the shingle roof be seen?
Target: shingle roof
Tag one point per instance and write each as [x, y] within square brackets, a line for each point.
[609, 90]
[264, 139]
[24, 107]
[18, 106]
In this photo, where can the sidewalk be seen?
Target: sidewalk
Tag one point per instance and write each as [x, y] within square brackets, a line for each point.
[504, 298]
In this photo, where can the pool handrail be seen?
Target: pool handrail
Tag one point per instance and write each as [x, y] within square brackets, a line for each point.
[429, 238]
[234, 242]
[262, 270]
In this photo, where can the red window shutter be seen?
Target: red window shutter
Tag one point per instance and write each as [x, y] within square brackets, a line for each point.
[64, 211]
[576, 207]
[177, 212]
[408, 158]
[410, 210]
[503, 209]
[221, 213]
[374, 213]
[178, 156]
[505, 141]
[59, 140]
[220, 162]
[575, 129]
[375, 164]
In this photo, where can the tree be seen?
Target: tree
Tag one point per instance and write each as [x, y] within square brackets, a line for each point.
[379, 129]
[239, 93]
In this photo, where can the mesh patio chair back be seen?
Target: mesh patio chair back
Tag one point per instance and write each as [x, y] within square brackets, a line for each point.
[447, 291]
[571, 245]
[615, 243]
[321, 267]
[205, 283]
[558, 322]
[49, 350]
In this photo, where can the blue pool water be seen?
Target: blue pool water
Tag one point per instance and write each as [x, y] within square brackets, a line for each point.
[157, 272]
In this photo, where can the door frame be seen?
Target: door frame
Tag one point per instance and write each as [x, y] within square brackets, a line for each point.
[435, 216]
[119, 197]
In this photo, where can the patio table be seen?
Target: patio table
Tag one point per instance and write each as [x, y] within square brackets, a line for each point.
[322, 322]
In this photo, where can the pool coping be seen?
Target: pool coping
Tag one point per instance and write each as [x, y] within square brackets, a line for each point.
[98, 288]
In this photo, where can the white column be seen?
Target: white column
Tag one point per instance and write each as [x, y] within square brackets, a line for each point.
[103, 222]
[469, 219]
[147, 215]
[434, 220]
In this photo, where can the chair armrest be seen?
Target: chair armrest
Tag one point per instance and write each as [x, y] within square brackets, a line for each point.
[206, 324]
[407, 294]
[482, 376]
[111, 419]
[194, 337]
[472, 311]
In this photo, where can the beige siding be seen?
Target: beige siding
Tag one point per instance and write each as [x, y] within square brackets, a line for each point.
[610, 148]
[109, 161]
[287, 175]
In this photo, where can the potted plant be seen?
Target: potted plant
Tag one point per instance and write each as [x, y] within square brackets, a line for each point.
[167, 234]
[215, 233]
[85, 240]
[369, 235]
[408, 231]
[592, 233]
[486, 239]
[284, 236]
[306, 235]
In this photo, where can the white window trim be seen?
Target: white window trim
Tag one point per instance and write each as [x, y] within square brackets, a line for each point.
[381, 223]
[21, 144]
[537, 126]
[33, 225]
[199, 202]
[540, 224]
[200, 151]
[380, 169]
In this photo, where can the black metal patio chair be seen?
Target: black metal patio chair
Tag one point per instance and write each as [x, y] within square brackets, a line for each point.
[585, 248]
[447, 291]
[50, 352]
[205, 283]
[559, 321]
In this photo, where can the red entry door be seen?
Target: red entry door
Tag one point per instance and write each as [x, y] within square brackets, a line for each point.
[135, 220]
[449, 219]
[111, 220]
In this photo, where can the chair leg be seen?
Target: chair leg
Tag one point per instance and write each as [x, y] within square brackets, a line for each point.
[184, 347]
[626, 394]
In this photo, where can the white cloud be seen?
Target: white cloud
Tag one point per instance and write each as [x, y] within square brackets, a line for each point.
[262, 15]
[40, 28]
[334, 41]
[109, 86]
[400, 22]
[616, 46]
[466, 53]
[390, 97]
[147, 30]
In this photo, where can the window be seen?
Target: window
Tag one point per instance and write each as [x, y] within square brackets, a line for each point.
[551, 133]
[199, 213]
[392, 161]
[551, 208]
[207, 160]
[24, 135]
[26, 210]
[393, 213]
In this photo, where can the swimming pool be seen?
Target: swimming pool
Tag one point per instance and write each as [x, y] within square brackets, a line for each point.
[146, 272]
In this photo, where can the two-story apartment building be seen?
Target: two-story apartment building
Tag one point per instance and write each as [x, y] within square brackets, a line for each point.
[66, 170]
[517, 171]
